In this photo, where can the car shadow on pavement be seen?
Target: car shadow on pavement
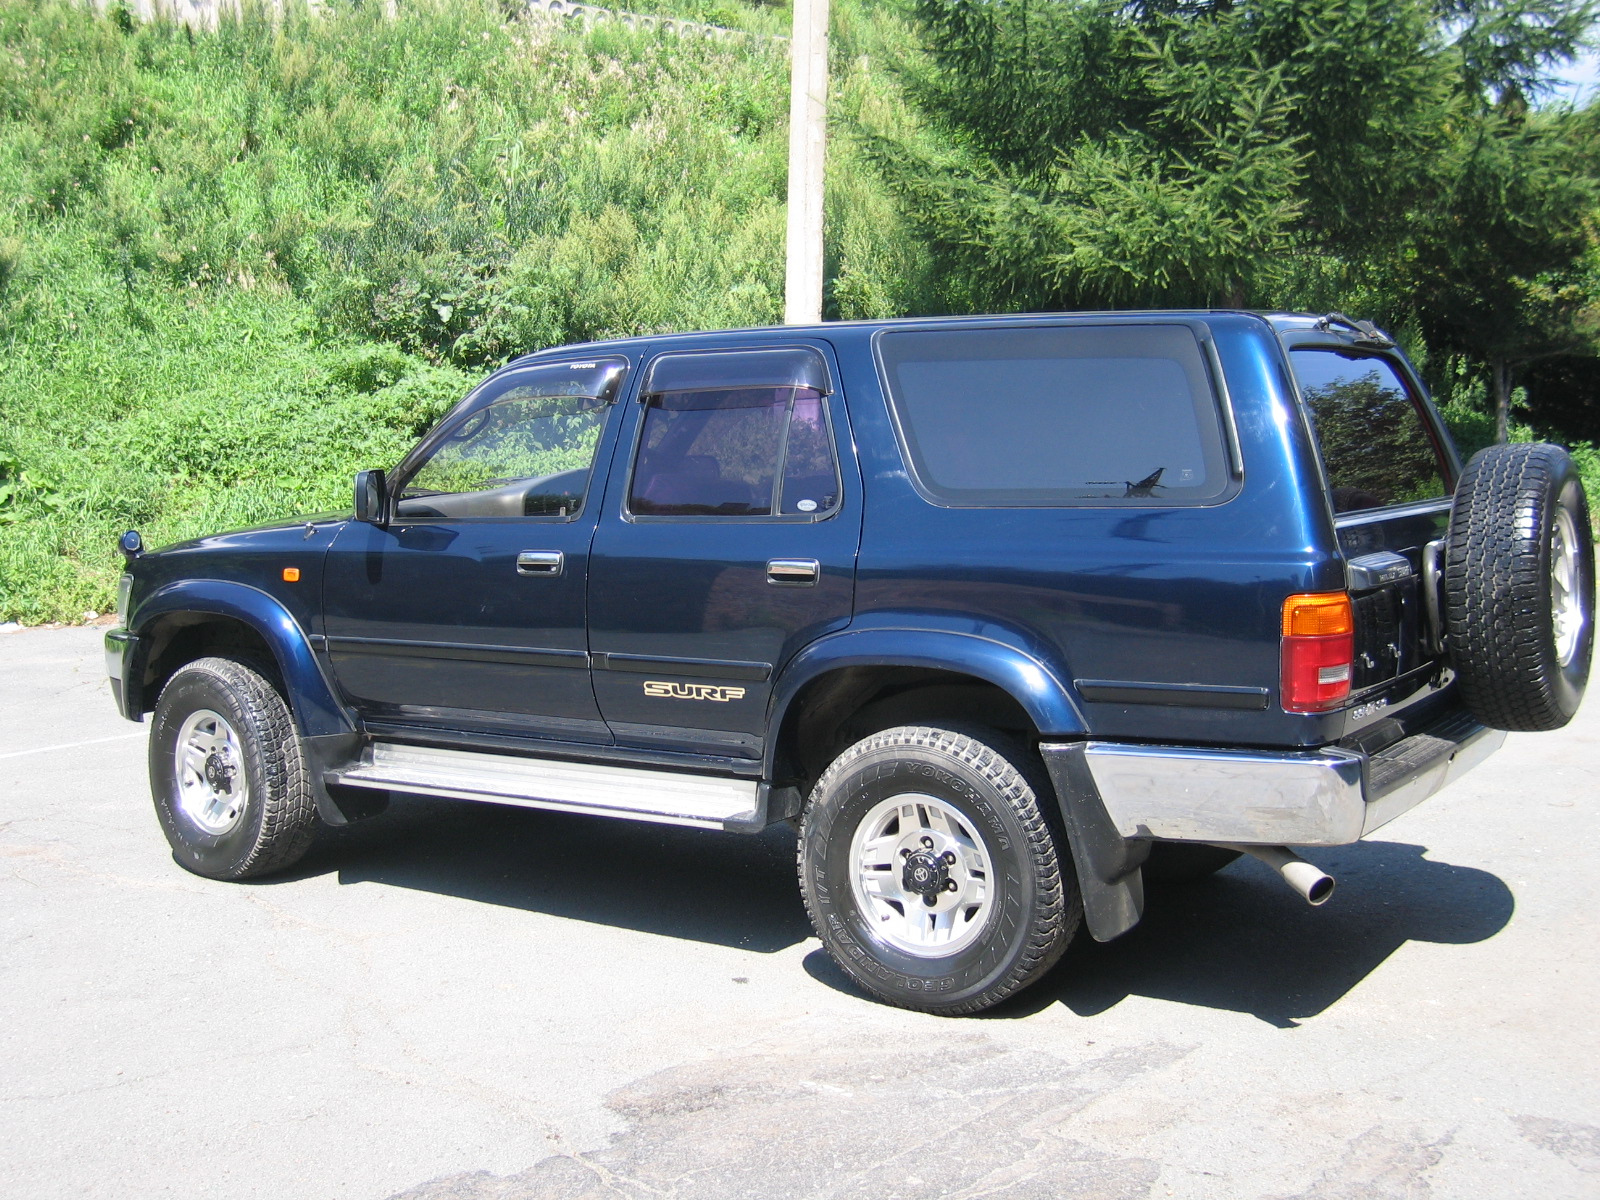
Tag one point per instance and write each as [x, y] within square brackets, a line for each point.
[1240, 941]
[725, 889]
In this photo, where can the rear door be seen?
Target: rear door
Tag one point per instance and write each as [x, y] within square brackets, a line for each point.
[729, 541]
[1390, 474]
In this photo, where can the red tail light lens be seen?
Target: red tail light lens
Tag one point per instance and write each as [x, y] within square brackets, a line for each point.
[1318, 651]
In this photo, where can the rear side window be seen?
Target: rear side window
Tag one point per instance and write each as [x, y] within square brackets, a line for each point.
[1050, 416]
[735, 452]
[1376, 447]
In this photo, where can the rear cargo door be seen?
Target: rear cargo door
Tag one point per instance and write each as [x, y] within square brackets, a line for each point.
[1390, 473]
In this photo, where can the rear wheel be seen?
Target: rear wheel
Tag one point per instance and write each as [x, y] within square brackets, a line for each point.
[227, 774]
[1519, 587]
[930, 871]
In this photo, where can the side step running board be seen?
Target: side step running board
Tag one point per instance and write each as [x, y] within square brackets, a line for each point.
[663, 797]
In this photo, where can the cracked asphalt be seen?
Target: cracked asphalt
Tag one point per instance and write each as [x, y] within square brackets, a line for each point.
[462, 1002]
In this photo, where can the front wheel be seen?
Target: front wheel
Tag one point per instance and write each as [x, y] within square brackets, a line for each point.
[227, 774]
[930, 871]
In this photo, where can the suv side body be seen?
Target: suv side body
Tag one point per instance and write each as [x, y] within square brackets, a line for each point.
[1134, 644]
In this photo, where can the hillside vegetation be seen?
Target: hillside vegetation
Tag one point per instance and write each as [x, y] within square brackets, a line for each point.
[236, 267]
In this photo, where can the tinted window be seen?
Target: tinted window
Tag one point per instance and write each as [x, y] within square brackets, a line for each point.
[1052, 416]
[724, 453]
[1375, 444]
[523, 455]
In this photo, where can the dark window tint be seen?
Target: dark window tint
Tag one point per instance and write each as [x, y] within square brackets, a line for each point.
[724, 453]
[1054, 416]
[1375, 444]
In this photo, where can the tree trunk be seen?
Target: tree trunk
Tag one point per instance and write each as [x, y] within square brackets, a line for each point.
[1500, 381]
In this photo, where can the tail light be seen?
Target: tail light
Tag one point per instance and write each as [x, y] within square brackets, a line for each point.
[1319, 648]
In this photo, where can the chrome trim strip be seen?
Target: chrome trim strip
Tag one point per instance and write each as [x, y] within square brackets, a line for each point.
[1290, 799]
[662, 797]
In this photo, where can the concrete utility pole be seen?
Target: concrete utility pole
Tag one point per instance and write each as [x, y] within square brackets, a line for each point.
[808, 135]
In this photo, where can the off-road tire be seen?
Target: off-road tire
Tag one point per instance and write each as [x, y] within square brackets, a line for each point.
[1499, 630]
[277, 820]
[1185, 862]
[997, 788]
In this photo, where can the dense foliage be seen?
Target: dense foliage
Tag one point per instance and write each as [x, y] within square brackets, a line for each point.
[1377, 155]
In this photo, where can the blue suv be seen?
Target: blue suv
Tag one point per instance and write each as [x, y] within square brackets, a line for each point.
[1002, 614]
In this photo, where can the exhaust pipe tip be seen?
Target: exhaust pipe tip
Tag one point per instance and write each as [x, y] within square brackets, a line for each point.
[1314, 885]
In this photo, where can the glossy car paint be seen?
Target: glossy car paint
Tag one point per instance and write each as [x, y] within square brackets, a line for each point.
[239, 576]
[1166, 617]
[431, 625]
[687, 602]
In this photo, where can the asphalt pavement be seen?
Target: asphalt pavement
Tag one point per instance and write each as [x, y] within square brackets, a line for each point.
[468, 1002]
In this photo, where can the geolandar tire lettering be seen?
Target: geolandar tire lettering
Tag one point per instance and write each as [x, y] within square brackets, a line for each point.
[227, 774]
[930, 871]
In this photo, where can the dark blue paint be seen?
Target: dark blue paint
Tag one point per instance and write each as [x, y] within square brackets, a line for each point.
[1026, 599]
[316, 711]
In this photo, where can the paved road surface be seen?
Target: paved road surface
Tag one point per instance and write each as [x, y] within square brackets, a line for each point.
[471, 1002]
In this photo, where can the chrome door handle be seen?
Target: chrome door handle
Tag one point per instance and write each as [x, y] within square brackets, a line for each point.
[796, 572]
[540, 562]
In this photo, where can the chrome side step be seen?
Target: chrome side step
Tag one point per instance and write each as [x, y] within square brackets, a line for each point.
[663, 797]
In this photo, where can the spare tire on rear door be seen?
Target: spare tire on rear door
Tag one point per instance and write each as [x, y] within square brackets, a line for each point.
[1519, 587]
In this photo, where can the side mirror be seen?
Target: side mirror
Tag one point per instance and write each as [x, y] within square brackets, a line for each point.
[372, 498]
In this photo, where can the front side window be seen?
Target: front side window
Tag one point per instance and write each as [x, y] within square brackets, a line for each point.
[525, 455]
[1375, 444]
[1057, 415]
[735, 452]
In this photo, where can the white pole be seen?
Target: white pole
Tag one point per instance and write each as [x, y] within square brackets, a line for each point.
[808, 131]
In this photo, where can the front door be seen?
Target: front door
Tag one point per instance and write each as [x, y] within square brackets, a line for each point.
[729, 541]
[467, 610]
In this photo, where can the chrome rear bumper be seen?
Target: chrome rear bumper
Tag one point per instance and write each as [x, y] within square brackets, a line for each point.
[1325, 797]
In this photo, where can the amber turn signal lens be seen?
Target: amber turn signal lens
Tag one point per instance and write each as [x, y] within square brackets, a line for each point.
[291, 574]
[1317, 614]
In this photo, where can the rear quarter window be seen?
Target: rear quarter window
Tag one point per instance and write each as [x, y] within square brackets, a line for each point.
[1057, 415]
[1377, 448]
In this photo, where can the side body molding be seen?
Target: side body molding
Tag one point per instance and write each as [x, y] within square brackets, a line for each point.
[317, 711]
[1041, 691]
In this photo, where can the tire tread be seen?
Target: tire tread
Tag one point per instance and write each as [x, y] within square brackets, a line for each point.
[1059, 907]
[289, 807]
[1495, 586]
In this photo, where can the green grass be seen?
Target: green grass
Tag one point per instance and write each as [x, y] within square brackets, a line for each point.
[236, 267]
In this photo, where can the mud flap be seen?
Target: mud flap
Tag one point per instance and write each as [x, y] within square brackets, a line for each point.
[336, 804]
[1108, 864]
